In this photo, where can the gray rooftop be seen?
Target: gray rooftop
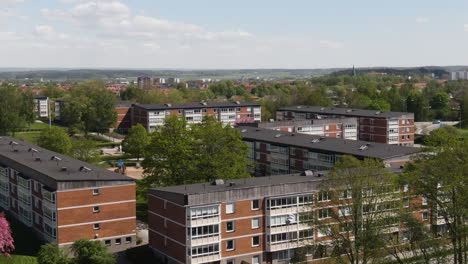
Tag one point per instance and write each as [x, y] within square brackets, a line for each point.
[346, 112]
[239, 189]
[194, 105]
[37, 162]
[326, 144]
[298, 123]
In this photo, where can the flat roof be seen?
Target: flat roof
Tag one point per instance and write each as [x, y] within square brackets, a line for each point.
[31, 160]
[351, 112]
[326, 144]
[238, 184]
[194, 105]
[306, 122]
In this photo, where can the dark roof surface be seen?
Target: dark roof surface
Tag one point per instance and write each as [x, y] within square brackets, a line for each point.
[194, 105]
[326, 144]
[200, 188]
[22, 157]
[345, 111]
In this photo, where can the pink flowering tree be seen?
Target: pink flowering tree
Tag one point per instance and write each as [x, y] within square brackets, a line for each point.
[6, 240]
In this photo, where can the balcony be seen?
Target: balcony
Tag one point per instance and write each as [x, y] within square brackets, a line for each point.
[204, 259]
[287, 245]
[203, 241]
[204, 221]
[288, 228]
[289, 210]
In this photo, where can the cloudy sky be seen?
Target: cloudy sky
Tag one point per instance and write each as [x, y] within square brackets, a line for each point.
[196, 34]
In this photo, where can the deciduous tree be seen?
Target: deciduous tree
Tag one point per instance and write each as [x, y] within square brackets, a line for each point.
[91, 252]
[6, 240]
[136, 141]
[16, 109]
[55, 139]
[51, 254]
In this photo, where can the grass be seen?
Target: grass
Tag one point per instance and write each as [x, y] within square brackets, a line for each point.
[28, 136]
[26, 244]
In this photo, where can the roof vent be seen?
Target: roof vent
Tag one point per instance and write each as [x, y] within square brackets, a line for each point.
[37, 159]
[32, 150]
[168, 105]
[85, 169]
[15, 150]
[63, 169]
[322, 138]
[293, 134]
[237, 102]
[322, 109]
[363, 147]
[378, 113]
[218, 182]
[203, 103]
[320, 174]
[308, 173]
[315, 140]
[244, 130]
[277, 135]
[232, 184]
[13, 143]
[55, 158]
[349, 110]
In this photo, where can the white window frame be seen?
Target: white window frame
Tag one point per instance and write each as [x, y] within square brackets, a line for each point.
[256, 245]
[233, 245]
[232, 206]
[258, 219]
[233, 226]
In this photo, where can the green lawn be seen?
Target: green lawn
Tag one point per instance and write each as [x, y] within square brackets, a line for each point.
[26, 244]
[28, 136]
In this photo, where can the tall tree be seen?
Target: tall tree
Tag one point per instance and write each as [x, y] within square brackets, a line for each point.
[418, 105]
[84, 149]
[136, 141]
[91, 252]
[16, 109]
[55, 139]
[182, 154]
[362, 197]
[91, 107]
[6, 240]
[442, 179]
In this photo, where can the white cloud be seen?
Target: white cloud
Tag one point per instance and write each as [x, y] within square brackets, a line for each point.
[331, 44]
[421, 20]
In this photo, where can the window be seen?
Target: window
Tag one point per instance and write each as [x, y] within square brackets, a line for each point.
[406, 202]
[327, 127]
[406, 188]
[424, 200]
[205, 250]
[230, 226]
[96, 191]
[118, 241]
[204, 212]
[345, 210]
[230, 245]
[203, 231]
[97, 226]
[256, 241]
[324, 213]
[128, 240]
[323, 196]
[230, 208]
[230, 261]
[255, 204]
[256, 223]
[107, 243]
[256, 260]
[96, 209]
[345, 194]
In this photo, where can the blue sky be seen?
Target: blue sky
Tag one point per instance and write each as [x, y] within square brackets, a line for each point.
[232, 34]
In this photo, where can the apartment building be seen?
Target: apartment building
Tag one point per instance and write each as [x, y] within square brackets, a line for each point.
[152, 115]
[62, 199]
[59, 107]
[277, 152]
[255, 220]
[345, 128]
[375, 126]
[41, 106]
[144, 82]
[124, 116]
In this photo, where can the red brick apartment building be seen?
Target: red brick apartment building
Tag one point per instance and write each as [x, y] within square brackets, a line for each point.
[256, 220]
[277, 152]
[345, 128]
[124, 116]
[152, 115]
[62, 199]
[374, 126]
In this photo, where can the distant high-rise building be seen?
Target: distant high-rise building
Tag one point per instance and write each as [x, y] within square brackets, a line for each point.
[459, 75]
[144, 82]
[158, 80]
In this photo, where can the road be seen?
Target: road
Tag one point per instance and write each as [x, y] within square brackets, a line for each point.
[424, 128]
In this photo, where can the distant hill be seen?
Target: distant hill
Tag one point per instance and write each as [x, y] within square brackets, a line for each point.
[416, 71]
[82, 74]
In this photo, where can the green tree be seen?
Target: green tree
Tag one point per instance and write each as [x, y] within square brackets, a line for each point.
[84, 149]
[439, 100]
[418, 105]
[444, 136]
[91, 252]
[16, 109]
[220, 151]
[53, 92]
[91, 107]
[55, 139]
[182, 154]
[441, 177]
[136, 141]
[131, 93]
[51, 254]
[362, 195]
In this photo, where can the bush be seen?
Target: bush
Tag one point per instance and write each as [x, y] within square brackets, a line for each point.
[141, 255]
